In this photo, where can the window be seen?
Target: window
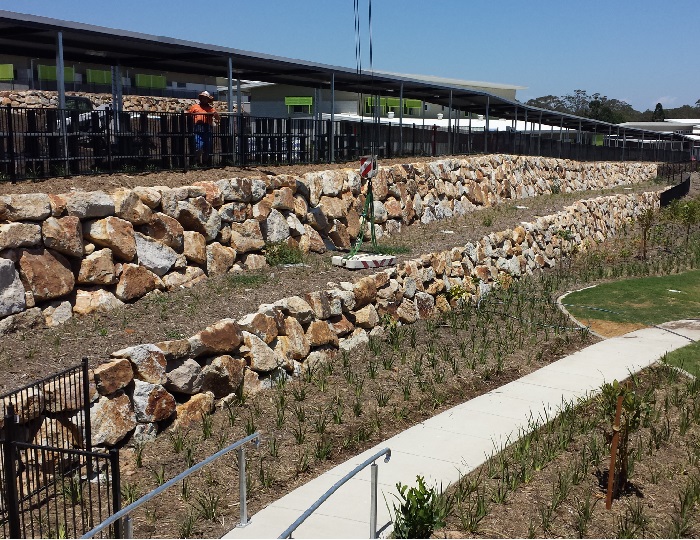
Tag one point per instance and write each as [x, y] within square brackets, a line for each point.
[299, 104]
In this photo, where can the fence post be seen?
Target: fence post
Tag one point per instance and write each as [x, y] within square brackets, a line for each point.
[116, 489]
[374, 471]
[10, 460]
[11, 145]
[184, 128]
[242, 488]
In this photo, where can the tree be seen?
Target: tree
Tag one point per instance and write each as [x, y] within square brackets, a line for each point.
[658, 115]
[552, 103]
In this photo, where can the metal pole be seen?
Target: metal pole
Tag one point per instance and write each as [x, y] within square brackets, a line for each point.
[401, 152]
[374, 471]
[116, 489]
[244, 521]
[449, 126]
[10, 457]
[539, 137]
[60, 75]
[613, 452]
[332, 133]
[486, 126]
[230, 86]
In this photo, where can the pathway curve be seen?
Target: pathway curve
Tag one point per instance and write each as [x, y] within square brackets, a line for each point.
[460, 439]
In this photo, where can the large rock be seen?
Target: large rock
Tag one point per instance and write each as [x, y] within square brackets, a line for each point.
[148, 362]
[114, 233]
[15, 235]
[366, 317]
[220, 259]
[135, 281]
[323, 304]
[166, 230]
[320, 333]
[312, 241]
[111, 419]
[260, 357]
[57, 313]
[195, 247]
[128, 206]
[89, 204]
[333, 207]
[12, 298]
[95, 301]
[198, 215]
[263, 326]
[25, 207]
[365, 291]
[194, 410]
[283, 199]
[190, 277]
[235, 212]
[64, 235]
[247, 236]
[113, 376]
[222, 376]
[425, 305]
[46, 274]
[155, 256]
[276, 228]
[223, 337]
[297, 308]
[294, 343]
[183, 377]
[152, 402]
[97, 268]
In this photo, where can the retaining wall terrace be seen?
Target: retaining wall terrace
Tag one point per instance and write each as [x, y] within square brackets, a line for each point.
[142, 388]
[84, 252]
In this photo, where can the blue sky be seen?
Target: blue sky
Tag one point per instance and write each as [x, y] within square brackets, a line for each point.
[639, 51]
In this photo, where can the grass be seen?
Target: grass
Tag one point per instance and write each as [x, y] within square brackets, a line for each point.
[649, 300]
[277, 253]
[687, 358]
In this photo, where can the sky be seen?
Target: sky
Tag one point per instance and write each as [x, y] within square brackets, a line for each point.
[643, 52]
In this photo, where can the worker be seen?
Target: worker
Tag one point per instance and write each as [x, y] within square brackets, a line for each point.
[204, 116]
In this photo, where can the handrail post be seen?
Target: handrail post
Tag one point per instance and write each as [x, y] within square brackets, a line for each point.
[244, 522]
[128, 531]
[374, 470]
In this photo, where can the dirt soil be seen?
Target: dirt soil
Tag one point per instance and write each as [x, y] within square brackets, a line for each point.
[32, 354]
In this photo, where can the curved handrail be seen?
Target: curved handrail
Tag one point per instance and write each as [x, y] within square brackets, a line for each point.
[184, 474]
[288, 532]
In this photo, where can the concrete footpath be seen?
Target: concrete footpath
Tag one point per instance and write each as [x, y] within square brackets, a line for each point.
[460, 439]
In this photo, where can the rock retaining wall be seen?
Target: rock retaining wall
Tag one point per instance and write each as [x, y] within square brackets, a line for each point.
[84, 252]
[145, 386]
[42, 99]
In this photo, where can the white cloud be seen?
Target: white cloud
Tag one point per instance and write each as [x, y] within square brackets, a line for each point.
[666, 101]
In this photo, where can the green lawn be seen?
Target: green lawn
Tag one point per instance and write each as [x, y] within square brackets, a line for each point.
[687, 357]
[650, 300]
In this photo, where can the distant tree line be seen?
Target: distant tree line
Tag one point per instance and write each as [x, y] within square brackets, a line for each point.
[615, 111]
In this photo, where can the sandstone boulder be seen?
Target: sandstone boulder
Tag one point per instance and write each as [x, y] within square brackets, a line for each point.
[89, 204]
[95, 301]
[12, 299]
[64, 235]
[152, 402]
[45, 273]
[114, 233]
[166, 230]
[97, 268]
[135, 281]
[112, 376]
[193, 410]
[154, 255]
[112, 419]
[223, 337]
[148, 362]
[222, 376]
[17, 234]
[25, 207]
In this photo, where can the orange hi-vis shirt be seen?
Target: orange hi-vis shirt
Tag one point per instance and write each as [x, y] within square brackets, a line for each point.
[202, 115]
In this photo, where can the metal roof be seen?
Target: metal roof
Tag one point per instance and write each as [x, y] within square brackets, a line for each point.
[35, 36]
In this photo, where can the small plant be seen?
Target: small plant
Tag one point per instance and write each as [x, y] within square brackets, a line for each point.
[129, 493]
[277, 253]
[139, 447]
[187, 524]
[207, 505]
[421, 510]
[207, 426]
[177, 438]
[158, 475]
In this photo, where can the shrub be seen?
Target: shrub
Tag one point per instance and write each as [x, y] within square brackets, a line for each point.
[421, 510]
[281, 253]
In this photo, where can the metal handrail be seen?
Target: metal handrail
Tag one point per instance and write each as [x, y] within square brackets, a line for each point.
[373, 503]
[238, 445]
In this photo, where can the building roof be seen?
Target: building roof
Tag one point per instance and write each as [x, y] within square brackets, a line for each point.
[35, 36]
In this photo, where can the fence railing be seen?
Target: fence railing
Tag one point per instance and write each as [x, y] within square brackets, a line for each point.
[55, 492]
[127, 530]
[46, 444]
[42, 143]
[335, 487]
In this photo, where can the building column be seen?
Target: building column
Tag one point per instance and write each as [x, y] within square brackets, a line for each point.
[486, 126]
[332, 133]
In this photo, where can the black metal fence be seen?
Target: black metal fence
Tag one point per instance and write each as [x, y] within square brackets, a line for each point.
[41, 143]
[53, 483]
[676, 192]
